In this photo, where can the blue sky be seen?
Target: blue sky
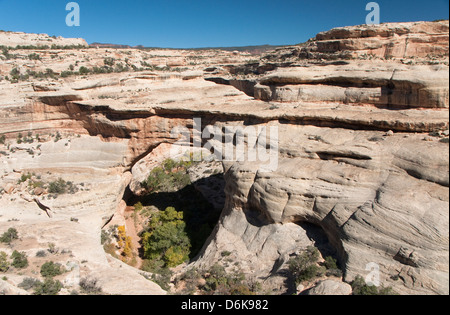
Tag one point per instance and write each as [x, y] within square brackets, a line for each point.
[205, 23]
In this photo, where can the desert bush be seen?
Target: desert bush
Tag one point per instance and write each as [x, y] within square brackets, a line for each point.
[172, 176]
[218, 281]
[48, 287]
[109, 61]
[83, 70]
[41, 253]
[4, 264]
[60, 186]
[34, 56]
[161, 275]
[9, 236]
[90, 286]
[360, 287]
[332, 268]
[29, 283]
[20, 260]
[51, 269]
[304, 267]
[57, 187]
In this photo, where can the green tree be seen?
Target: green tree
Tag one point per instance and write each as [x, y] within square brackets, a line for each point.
[167, 239]
[4, 264]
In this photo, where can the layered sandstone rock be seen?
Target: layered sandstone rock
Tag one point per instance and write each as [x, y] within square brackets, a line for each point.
[13, 39]
[422, 42]
[373, 203]
[387, 85]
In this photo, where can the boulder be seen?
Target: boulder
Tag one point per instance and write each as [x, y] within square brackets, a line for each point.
[330, 287]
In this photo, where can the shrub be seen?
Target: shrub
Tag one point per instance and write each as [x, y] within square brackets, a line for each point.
[51, 269]
[34, 56]
[218, 281]
[304, 267]
[65, 74]
[160, 274]
[360, 287]
[20, 260]
[24, 178]
[60, 186]
[29, 283]
[9, 236]
[109, 61]
[83, 70]
[41, 253]
[4, 264]
[172, 176]
[2, 139]
[125, 242]
[57, 187]
[90, 286]
[48, 287]
[332, 268]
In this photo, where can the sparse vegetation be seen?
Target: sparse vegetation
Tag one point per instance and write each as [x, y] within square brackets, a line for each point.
[20, 260]
[48, 287]
[305, 266]
[217, 280]
[4, 263]
[10, 235]
[60, 186]
[34, 56]
[360, 287]
[41, 254]
[172, 176]
[90, 286]
[29, 283]
[51, 269]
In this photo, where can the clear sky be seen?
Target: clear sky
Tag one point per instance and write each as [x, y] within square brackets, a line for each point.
[205, 23]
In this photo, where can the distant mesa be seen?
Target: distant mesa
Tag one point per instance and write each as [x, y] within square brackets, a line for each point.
[254, 50]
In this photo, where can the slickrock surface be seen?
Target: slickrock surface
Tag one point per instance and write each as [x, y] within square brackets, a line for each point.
[14, 39]
[363, 164]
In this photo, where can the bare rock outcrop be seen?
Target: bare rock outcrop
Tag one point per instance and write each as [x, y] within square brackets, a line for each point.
[388, 85]
[411, 42]
[14, 39]
[330, 287]
[373, 209]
